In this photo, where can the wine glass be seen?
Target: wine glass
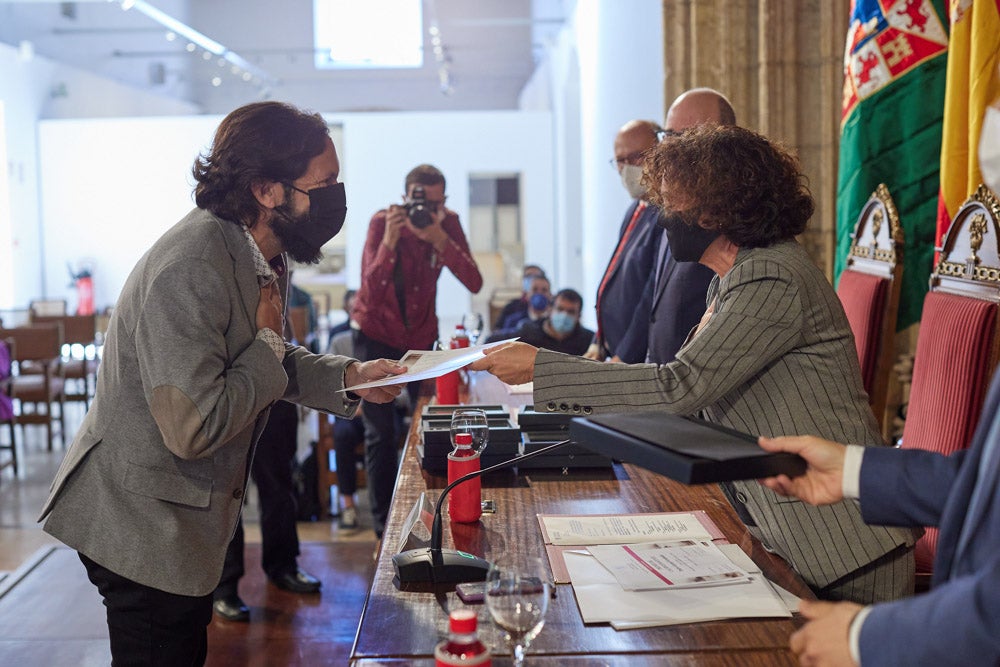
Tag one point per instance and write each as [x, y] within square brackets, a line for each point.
[517, 597]
[472, 421]
[473, 323]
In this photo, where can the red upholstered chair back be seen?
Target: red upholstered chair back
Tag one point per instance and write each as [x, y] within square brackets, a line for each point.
[869, 290]
[957, 346]
[863, 296]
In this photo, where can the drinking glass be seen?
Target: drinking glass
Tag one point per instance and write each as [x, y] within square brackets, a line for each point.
[472, 421]
[473, 323]
[517, 597]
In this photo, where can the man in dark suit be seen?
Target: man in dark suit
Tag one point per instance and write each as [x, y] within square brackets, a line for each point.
[958, 621]
[624, 293]
[679, 288]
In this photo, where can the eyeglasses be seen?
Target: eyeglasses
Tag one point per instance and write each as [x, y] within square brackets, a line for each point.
[634, 159]
[662, 134]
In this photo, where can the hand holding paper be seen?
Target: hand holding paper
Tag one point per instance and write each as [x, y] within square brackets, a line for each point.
[425, 364]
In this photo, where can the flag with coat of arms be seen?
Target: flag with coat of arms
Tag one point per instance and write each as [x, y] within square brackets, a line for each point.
[891, 123]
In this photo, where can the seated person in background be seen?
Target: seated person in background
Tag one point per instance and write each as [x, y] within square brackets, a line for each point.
[346, 324]
[773, 355]
[561, 330]
[519, 305]
[538, 304]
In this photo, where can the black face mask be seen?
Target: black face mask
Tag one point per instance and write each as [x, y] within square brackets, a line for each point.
[303, 236]
[687, 240]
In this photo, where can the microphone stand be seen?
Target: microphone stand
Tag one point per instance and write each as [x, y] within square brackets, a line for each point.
[436, 565]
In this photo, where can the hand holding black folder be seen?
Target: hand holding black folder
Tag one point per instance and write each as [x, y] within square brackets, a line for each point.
[686, 449]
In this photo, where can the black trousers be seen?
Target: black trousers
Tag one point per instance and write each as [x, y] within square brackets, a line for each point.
[383, 433]
[272, 472]
[347, 435]
[149, 626]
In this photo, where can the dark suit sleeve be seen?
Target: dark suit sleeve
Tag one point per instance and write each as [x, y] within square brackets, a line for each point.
[635, 342]
[906, 487]
[956, 623]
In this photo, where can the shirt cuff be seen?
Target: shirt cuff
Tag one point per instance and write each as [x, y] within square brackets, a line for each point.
[851, 479]
[854, 632]
[274, 341]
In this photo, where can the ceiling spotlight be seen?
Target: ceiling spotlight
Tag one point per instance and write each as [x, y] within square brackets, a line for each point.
[127, 5]
[171, 35]
[207, 55]
[190, 47]
[247, 76]
[216, 81]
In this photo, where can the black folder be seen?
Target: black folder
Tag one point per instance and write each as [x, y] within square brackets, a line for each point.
[687, 449]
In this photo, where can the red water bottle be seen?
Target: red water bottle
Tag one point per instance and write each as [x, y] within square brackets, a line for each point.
[463, 646]
[465, 502]
[446, 386]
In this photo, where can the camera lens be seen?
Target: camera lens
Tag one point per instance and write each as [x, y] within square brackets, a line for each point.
[417, 210]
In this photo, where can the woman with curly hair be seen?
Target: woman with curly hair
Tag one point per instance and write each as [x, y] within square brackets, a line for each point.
[773, 354]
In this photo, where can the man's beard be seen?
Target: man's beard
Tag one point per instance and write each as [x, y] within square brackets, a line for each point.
[285, 225]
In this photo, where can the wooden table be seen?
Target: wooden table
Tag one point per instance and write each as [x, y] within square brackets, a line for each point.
[401, 626]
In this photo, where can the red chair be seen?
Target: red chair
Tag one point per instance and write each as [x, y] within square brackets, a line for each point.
[869, 291]
[958, 345]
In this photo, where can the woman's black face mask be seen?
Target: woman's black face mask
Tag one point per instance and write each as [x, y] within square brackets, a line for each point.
[686, 239]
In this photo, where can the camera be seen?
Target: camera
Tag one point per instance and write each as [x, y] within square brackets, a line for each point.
[417, 209]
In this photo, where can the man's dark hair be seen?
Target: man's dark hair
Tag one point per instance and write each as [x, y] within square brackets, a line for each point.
[348, 295]
[570, 295]
[424, 174]
[738, 182]
[263, 141]
[541, 271]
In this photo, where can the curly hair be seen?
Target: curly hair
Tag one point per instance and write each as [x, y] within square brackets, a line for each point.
[730, 179]
[269, 141]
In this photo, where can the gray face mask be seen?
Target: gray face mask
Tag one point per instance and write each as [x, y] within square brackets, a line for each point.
[632, 180]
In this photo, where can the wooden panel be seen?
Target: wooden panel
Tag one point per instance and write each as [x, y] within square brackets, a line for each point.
[410, 621]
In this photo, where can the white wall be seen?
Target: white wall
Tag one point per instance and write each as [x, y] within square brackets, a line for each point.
[111, 187]
[605, 68]
[29, 90]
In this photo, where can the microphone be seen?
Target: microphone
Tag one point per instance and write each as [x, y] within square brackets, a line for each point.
[436, 565]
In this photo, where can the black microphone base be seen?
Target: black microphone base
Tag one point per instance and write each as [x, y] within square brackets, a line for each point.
[447, 566]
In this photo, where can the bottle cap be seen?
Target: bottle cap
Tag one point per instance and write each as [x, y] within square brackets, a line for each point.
[463, 439]
[463, 621]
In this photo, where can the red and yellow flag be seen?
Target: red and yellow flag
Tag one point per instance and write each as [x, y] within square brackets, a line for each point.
[972, 83]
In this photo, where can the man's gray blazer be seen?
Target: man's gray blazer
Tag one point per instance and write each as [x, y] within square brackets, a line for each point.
[153, 484]
[776, 358]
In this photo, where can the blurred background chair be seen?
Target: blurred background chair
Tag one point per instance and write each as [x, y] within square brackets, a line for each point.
[47, 307]
[36, 395]
[957, 345]
[7, 417]
[869, 290]
[79, 354]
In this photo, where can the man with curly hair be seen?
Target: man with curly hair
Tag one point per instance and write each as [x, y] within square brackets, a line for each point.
[151, 490]
[773, 355]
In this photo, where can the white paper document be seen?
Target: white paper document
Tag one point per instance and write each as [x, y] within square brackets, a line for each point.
[662, 565]
[425, 364]
[602, 600]
[626, 529]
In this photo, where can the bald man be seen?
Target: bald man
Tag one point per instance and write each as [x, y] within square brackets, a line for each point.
[678, 296]
[626, 288]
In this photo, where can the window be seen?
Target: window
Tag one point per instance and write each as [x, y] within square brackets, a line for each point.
[373, 34]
